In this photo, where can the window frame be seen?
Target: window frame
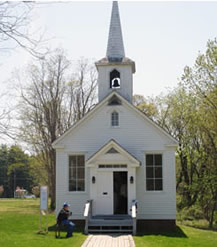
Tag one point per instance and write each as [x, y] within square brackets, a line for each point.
[154, 178]
[84, 179]
[115, 120]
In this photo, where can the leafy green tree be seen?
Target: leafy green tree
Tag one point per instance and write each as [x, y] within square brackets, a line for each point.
[146, 105]
[14, 170]
[201, 81]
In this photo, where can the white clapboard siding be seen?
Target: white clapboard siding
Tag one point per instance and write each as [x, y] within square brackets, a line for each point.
[137, 136]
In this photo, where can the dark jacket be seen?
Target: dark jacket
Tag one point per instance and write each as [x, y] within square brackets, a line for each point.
[63, 215]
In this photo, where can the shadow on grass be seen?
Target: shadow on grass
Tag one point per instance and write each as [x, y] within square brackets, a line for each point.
[78, 229]
[178, 233]
[205, 228]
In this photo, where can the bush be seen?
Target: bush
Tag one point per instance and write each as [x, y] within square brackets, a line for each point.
[192, 213]
[36, 191]
[1, 190]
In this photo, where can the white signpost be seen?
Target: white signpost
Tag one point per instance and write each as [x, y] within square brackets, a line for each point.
[43, 197]
[43, 205]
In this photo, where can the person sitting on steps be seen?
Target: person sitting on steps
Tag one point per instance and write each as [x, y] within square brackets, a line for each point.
[63, 219]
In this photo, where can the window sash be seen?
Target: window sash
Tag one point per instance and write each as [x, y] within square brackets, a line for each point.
[115, 119]
[154, 172]
[76, 173]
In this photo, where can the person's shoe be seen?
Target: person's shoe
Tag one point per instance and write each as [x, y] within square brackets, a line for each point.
[69, 236]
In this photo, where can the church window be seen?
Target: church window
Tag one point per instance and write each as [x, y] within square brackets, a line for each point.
[115, 79]
[154, 173]
[76, 173]
[114, 119]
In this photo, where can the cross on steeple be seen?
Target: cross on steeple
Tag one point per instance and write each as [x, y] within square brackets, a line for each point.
[115, 47]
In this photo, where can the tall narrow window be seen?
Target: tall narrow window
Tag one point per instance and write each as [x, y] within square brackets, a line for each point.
[154, 174]
[115, 119]
[76, 173]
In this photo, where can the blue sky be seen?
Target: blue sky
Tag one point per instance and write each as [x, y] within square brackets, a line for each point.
[161, 37]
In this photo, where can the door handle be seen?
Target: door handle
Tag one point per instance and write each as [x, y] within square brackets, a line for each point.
[105, 193]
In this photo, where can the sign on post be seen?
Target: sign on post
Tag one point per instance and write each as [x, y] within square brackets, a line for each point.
[43, 197]
[43, 206]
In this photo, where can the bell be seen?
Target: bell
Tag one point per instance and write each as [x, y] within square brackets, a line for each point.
[116, 82]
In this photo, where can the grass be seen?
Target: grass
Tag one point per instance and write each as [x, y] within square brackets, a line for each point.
[185, 236]
[19, 222]
[199, 224]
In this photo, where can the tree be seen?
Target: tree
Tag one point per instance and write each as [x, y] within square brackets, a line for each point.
[201, 81]
[178, 115]
[14, 170]
[15, 19]
[147, 106]
[51, 103]
[189, 113]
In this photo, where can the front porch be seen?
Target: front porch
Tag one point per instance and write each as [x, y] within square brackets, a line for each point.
[110, 223]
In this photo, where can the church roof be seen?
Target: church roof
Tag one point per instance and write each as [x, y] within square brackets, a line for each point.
[105, 100]
[115, 48]
[125, 61]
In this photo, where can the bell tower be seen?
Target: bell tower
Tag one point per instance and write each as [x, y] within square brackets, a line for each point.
[115, 71]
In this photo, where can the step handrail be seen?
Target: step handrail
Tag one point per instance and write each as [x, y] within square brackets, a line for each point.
[134, 214]
[87, 214]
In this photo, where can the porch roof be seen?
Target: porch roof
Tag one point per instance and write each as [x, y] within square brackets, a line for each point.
[112, 144]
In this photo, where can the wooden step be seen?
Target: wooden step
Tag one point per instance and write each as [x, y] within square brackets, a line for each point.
[109, 231]
[110, 223]
[126, 229]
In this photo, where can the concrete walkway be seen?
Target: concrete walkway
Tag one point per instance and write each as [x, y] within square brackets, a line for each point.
[109, 241]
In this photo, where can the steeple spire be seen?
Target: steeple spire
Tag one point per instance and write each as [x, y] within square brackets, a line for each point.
[115, 48]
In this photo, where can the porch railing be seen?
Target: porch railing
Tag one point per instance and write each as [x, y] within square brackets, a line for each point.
[87, 214]
[134, 212]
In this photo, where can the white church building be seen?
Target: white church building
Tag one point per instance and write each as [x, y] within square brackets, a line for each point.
[116, 167]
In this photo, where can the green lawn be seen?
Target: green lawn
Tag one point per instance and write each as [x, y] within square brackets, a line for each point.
[19, 221]
[185, 236]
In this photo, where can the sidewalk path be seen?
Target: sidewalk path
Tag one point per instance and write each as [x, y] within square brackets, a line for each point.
[109, 241]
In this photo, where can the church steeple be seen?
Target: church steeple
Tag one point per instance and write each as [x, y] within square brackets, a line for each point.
[115, 48]
[115, 71]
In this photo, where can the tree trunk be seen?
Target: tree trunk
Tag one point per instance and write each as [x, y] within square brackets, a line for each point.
[53, 180]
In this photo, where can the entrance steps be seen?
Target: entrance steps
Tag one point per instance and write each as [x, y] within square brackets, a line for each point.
[110, 224]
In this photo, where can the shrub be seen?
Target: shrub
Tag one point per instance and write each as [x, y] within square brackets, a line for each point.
[36, 191]
[1, 190]
[191, 213]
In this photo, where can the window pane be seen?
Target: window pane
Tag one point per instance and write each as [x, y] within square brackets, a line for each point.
[72, 160]
[72, 185]
[80, 185]
[149, 172]
[80, 160]
[158, 159]
[80, 174]
[114, 119]
[149, 160]
[158, 172]
[72, 172]
[150, 184]
[158, 184]
[76, 173]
